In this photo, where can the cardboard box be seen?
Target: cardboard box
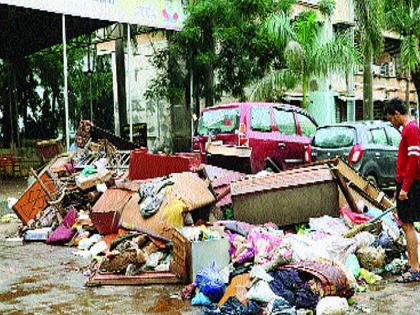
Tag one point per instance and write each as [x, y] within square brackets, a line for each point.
[189, 258]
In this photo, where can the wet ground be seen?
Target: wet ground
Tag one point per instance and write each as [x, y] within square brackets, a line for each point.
[40, 279]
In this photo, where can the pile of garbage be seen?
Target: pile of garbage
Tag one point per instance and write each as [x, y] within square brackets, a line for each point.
[280, 271]
[274, 243]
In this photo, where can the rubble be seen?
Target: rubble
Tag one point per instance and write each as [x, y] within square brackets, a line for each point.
[287, 250]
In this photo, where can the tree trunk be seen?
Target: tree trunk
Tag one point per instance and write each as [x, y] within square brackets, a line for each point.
[367, 87]
[120, 63]
[407, 89]
[305, 90]
[416, 80]
[209, 69]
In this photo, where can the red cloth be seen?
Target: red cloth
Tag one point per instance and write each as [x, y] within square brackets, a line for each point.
[408, 167]
[356, 218]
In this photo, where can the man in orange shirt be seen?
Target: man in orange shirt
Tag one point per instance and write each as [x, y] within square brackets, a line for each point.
[408, 181]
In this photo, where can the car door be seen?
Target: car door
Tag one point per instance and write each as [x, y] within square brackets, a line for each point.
[381, 151]
[394, 139]
[290, 144]
[260, 139]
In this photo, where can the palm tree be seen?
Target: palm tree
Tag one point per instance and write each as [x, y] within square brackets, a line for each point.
[403, 17]
[306, 56]
[370, 23]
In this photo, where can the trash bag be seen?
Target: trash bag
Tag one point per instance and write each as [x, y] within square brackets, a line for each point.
[353, 265]
[371, 258]
[258, 272]
[211, 283]
[328, 225]
[200, 299]
[332, 305]
[173, 212]
[369, 277]
[261, 292]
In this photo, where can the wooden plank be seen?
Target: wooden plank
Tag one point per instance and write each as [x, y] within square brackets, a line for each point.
[146, 278]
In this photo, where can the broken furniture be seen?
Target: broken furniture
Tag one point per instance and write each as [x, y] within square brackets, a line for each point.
[286, 198]
[233, 158]
[144, 165]
[35, 198]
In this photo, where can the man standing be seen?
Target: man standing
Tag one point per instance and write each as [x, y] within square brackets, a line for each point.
[408, 181]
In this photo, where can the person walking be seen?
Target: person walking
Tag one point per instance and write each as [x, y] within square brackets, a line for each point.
[408, 181]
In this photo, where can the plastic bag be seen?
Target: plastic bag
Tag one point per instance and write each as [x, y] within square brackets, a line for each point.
[371, 257]
[211, 283]
[173, 212]
[332, 305]
[369, 277]
[200, 299]
[352, 263]
[328, 225]
[258, 272]
[261, 292]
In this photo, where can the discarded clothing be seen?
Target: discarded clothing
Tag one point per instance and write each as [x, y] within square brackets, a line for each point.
[234, 307]
[306, 299]
[64, 232]
[152, 195]
[281, 307]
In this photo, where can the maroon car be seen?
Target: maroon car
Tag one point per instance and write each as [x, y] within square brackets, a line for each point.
[278, 131]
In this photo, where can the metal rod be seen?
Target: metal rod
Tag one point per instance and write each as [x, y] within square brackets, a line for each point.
[130, 109]
[66, 97]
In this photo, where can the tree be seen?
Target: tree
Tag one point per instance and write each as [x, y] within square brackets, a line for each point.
[306, 55]
[370, 20]
[31, 91]
[222, 45]
[403, 17]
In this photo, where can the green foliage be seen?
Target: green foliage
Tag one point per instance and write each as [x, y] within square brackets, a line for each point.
[403, 17]
[326, 7]
[223, 39]
[370, 19]
[306, 55]
[35, 83]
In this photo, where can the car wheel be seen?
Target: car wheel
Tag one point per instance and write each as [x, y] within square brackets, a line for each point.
[372, 179]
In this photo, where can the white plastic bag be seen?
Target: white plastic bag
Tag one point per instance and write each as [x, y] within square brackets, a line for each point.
[261, 292]
[332, 305]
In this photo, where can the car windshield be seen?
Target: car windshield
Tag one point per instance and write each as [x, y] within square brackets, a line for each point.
[213, 122]
[334, 137]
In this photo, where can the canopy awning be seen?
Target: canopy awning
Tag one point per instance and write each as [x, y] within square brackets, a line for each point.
[31, 25]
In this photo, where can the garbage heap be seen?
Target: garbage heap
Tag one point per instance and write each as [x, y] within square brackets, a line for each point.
[274, 243]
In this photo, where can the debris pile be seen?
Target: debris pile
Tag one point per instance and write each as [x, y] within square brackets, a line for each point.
[272, 243]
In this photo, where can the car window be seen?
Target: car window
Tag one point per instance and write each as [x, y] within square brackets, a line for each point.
[379, 136]
[261, 119]
[394, 135]
[218, 121]
[285, 121]
[306, 125]
[334, 137]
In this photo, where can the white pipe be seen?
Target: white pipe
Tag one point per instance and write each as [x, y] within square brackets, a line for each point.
[130, 109]
[66, 97]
